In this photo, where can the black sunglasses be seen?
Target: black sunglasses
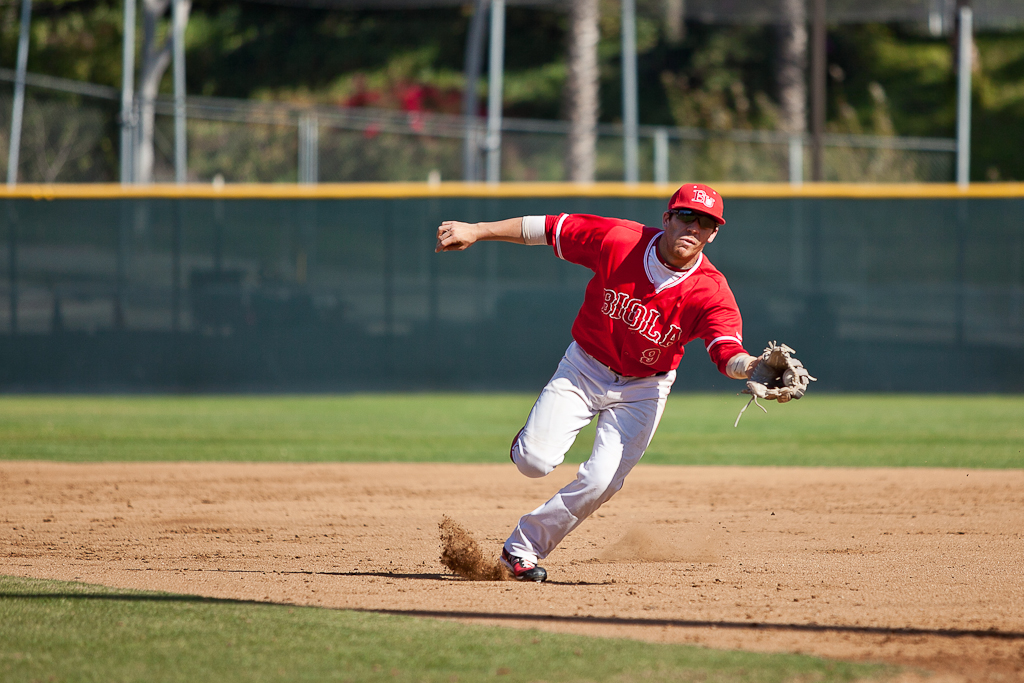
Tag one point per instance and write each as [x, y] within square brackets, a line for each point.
[687, 216]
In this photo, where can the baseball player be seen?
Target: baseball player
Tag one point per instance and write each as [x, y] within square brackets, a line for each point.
[653, 291]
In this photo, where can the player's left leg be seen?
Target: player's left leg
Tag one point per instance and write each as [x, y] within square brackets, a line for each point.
[624, 431]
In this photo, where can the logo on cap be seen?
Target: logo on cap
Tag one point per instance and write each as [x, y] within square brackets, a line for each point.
[703, 197]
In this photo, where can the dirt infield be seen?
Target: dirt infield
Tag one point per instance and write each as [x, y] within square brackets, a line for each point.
[916, 567]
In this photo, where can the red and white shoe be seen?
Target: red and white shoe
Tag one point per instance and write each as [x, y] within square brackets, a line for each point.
[523, 570]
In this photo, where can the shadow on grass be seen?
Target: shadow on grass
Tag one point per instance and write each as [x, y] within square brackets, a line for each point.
[683, 623]
[494, 616]
[130, 597]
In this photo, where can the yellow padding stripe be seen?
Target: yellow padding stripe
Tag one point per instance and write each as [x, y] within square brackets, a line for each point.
[506, 190]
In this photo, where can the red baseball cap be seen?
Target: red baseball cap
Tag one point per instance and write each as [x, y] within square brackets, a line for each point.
[699, 198]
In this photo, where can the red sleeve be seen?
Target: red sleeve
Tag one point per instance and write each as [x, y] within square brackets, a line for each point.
[578, 238]
[721, 328]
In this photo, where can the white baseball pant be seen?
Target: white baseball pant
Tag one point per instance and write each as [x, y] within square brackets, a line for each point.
[628, 410]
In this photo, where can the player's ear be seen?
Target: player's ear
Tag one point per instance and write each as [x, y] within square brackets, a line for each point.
[713, 236]
[665, 218]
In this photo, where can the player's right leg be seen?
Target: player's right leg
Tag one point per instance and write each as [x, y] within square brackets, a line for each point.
[561, 411]
[564, 407]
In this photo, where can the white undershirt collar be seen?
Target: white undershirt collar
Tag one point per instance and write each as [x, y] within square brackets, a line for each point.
[660, 275]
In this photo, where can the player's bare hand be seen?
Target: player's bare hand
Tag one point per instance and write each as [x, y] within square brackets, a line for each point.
[454, 236]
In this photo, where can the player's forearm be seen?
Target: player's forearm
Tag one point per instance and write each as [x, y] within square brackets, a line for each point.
[508, 230]
[456, 235]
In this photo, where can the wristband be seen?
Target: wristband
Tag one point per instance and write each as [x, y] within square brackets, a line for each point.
[737, 366]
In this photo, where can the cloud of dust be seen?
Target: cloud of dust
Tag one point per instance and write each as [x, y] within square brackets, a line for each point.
[461, 554]
[644, 545]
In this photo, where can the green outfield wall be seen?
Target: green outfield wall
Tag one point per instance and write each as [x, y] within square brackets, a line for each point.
[328, 288]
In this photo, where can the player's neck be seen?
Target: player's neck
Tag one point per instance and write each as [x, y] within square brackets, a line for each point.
[665, 262]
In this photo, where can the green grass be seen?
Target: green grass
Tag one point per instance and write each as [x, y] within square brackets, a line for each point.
[75, 632]
[56, 631]
[819, 430]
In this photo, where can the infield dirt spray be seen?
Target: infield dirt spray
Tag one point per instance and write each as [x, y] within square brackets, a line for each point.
[461, 554]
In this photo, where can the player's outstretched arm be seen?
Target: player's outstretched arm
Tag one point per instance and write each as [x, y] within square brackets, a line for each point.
[456, 236]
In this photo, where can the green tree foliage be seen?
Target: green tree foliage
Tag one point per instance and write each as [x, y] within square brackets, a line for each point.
[998, 123]
[883, 79]
[72, 39]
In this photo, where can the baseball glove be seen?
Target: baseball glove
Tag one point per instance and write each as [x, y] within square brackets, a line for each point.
[778, 377]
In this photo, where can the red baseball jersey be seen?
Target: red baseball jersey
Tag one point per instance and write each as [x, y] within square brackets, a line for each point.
[634, 319]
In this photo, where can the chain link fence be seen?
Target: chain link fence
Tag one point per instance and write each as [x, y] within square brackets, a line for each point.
[65, 138]
[71, 135]
[261, 142]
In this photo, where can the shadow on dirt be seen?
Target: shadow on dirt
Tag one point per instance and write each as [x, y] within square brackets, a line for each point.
[440, 577]
[738, 625]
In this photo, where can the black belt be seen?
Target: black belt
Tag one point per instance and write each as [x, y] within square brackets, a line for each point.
[657, 374]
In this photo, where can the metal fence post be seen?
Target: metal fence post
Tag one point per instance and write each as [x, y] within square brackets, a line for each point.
[12, 265]
[309, 152]
[629, 92]
[128, 95]
[475, 143]
[818, 87]
[494, 94]
[963, 109]
[179, 19]
[963, 225]
[796, 246]
[121, 262]
[796, 160]
[661, 155]
[136, 133]
[19, 94]
[176, 247]
[388, 277]
[473, 59]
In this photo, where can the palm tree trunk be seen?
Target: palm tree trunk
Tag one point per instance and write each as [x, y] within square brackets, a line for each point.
[792, 67]
[582, 90]
[155, 61]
